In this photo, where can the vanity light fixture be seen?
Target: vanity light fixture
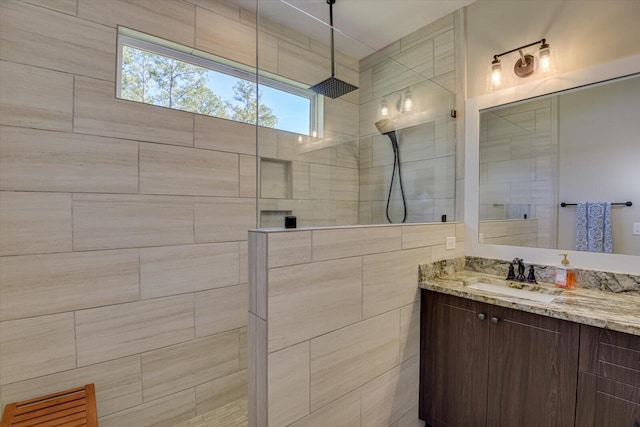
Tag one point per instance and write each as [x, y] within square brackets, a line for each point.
[403, 105]
[525, 66]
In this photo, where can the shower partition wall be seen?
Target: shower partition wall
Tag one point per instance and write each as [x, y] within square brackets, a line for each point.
[336, 169]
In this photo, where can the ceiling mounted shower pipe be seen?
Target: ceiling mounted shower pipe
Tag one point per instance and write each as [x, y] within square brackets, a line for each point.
[332, 87]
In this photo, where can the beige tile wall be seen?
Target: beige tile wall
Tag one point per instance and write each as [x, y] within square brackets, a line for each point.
[334, 335]
[315, 179]
[423, 62]
[123, 226]
[319, 185]
[37, 97]
[56, 41]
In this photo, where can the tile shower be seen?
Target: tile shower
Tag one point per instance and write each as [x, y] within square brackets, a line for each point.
[120, 228]
[343, 178]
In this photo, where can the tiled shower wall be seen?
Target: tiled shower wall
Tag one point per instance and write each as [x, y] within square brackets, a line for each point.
[343, 178]
[315, 179]
[123, 226]
[319, 187]
[334, 323]
[425, 62]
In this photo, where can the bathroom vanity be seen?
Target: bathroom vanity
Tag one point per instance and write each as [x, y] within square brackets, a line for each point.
[497, 360]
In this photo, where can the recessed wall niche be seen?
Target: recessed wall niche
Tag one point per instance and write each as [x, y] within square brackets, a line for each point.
[275, 179]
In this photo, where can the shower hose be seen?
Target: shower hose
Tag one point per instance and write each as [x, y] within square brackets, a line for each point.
[396, 164]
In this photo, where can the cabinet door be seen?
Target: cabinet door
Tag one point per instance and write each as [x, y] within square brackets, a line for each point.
[454, 362]
[533, 366]
[605, 402]
[609, 379]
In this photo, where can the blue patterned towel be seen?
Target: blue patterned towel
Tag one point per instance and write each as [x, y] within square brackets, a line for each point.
[593, 227]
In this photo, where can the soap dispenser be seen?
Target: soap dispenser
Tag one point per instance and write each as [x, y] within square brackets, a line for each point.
[565, 276]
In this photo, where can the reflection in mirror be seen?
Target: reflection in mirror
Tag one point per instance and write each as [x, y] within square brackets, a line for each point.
[575, 146]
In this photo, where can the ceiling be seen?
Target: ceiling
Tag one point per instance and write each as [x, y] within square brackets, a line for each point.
[366, 25]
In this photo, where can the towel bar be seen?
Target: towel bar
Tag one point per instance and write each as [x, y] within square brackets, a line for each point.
[563, 204]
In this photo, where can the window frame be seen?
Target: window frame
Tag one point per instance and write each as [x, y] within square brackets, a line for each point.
[155, 45]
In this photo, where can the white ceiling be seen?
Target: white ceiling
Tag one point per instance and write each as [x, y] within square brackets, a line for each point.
[369, 24]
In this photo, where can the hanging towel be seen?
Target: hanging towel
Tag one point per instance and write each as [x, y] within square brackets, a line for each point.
[593, 227]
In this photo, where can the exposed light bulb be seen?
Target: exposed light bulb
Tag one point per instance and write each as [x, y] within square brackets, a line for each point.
[496, 74]
[545, 58]
[384, 108]
[407, 104]
[299, 138]
[545, 64]
[314, 134]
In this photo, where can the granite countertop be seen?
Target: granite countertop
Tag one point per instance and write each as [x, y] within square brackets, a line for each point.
[619, 312]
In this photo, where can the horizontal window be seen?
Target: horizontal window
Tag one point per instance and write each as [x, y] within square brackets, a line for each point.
[181, 78]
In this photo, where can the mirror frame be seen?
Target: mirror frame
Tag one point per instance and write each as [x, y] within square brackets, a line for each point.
[629, 264]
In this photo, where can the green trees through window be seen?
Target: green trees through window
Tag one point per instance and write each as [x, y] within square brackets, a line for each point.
[156, 79]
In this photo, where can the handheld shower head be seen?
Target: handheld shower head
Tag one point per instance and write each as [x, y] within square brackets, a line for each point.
[385, 126]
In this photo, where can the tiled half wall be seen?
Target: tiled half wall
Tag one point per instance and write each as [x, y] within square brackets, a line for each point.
[334, 323]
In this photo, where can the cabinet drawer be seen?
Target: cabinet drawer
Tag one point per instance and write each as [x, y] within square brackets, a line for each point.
[610, 354]
[616, 412]
[605, 402]
[618, 390]
[617, 404]
[619, 363]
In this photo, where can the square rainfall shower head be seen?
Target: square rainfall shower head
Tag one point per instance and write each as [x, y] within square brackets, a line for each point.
[333, 88]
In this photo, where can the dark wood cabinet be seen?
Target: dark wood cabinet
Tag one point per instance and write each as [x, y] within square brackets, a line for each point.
[533, 365]
[483, 365]
[609, 379]
[455, 353]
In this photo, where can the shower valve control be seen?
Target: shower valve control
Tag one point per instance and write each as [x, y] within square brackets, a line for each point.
[636, 228]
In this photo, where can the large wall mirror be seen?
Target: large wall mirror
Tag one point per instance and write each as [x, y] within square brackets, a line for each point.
[574, 138]
[540, 157]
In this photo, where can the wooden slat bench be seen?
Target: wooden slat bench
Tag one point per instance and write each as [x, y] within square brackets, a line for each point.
[69, 408]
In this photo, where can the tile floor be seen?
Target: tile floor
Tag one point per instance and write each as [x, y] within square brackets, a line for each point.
[233, 414]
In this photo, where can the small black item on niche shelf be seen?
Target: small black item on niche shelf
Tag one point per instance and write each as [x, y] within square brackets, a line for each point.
[444, 218]
[290, 221]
